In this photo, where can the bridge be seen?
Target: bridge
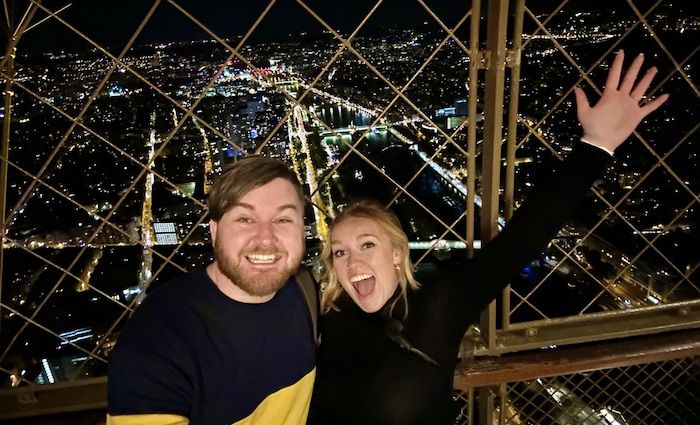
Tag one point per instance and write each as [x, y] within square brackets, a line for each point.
[439, 244]
[351, 129]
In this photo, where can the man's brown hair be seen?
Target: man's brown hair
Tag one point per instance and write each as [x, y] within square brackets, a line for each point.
[243, 176]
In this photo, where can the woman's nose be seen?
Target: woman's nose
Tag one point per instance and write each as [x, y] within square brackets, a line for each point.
[353, 258]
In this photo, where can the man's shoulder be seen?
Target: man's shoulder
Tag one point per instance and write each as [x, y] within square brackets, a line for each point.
[169, 303]
[179, 290]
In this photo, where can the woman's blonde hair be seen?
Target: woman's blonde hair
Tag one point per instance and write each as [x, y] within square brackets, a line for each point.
[388, 222]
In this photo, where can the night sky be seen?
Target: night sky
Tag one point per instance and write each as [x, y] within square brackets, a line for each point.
[111, 23]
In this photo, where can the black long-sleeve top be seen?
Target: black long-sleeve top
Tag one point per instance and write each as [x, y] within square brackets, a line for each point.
[363, 377]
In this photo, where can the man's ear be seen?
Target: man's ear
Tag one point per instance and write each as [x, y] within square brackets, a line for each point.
[212, 230]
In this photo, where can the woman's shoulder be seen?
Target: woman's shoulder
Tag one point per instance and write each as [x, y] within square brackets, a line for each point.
[442, 273]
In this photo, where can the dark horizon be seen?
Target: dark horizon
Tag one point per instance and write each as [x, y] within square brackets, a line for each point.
[231, 20]
[226, 19]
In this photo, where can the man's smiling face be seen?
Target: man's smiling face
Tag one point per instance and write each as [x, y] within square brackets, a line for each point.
[259, 242]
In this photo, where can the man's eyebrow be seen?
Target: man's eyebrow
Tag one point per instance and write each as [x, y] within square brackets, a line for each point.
[252, 207]
[287, 207]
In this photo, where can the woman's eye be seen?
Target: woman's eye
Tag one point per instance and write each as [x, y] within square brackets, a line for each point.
[367, 245]
[338, 253]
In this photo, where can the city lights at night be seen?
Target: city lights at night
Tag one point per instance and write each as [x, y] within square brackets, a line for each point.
[114, 144]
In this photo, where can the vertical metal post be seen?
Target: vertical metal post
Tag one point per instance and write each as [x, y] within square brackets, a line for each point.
[493, 123]
[470, 411]
[509, 189]
[513, 61]
[501, 404]
[474, 65]
[7, 67]
[8, 72]
[497, 28]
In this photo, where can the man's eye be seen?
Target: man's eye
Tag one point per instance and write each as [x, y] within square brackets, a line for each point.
[244, 220]
[283, 220]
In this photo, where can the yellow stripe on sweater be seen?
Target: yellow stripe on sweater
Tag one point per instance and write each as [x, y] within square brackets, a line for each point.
[288, 406]
[149, 419]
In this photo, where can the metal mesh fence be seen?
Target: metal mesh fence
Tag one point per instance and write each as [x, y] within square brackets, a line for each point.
[665, 392]
[113, 142]
[622, 256]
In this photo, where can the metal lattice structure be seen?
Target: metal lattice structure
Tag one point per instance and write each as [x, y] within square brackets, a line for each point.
[650, 379]
[641, 394]
[109, 147]
[652, 393]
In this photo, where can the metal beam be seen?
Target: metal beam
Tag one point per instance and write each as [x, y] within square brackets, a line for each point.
[497, 30]
[41, 400]
[493, 135]
[604, 355]
[602, 326]
[7, 67]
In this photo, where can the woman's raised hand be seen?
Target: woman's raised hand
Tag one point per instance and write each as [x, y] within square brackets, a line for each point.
[618, 112]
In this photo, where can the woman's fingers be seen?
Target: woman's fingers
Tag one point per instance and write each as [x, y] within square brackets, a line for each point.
[638, 92]
[613, 79]
[654, 104]
[631, 74]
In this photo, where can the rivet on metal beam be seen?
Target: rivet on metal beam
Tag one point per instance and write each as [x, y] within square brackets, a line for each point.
[512, 58]
[482, 59]
[531, 332]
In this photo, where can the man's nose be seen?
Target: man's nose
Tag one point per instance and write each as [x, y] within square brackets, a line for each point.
[265, 234]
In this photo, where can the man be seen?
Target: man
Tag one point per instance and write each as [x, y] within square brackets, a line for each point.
[232, 343]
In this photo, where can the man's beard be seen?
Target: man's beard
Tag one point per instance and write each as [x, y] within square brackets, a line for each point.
[255, 284]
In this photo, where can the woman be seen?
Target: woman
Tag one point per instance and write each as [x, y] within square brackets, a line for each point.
[389, 345]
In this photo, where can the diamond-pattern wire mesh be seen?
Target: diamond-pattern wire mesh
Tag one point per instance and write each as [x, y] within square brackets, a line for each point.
[635, 273]
[75, 263]
[118, 62]
[665, 392]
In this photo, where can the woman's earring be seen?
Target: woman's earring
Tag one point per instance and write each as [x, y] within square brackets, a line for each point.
[397, 267]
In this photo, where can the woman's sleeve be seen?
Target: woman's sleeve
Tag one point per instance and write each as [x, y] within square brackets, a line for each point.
[533, 225]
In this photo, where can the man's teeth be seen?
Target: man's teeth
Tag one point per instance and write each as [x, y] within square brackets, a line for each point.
[360, 277]
[261, 259]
